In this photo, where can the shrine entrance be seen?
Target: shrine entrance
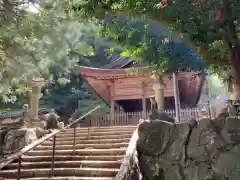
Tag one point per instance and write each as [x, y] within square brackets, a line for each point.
[131, 105]
[136, 105]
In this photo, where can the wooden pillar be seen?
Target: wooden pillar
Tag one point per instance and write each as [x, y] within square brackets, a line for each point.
[112, 94]
[144, 108]
[112, 109]
[176, 96]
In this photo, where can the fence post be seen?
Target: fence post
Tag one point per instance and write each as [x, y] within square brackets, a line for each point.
[19, 167]
[99, 116]
[74, 138]
[53, 156]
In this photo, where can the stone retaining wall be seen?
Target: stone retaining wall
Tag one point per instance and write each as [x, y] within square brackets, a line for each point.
[205, 150]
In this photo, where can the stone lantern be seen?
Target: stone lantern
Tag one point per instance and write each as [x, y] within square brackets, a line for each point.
[36, 86]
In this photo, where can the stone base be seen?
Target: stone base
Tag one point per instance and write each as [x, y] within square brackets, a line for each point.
[161, 115]
[18, 139]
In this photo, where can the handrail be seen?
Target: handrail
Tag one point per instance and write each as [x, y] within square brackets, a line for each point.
[40, 141]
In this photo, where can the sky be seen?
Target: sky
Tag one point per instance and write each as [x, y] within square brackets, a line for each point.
[32, 7]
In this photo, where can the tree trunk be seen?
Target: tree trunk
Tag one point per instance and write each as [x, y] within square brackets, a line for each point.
[234, 60]
[234, 45]
[236, 91]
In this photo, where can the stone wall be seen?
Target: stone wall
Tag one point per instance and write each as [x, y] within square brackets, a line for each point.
[12, 139]
[205, 150]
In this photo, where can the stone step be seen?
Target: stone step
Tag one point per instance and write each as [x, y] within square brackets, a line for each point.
[66, 164]
[83, 146]
[88, 141]
[80, 172]
[96, 131]
[93, 133]
[82, 152]
[98, 155]
[101, 129]
[72, 158]
[90, 137]
[69, 178]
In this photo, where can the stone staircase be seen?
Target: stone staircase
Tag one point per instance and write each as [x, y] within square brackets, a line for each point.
[98, 155]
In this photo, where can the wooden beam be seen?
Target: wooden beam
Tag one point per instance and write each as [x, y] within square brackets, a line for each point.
[134, 83]
[132, 91]
[128, 97]
[144, 107]
[139, 95]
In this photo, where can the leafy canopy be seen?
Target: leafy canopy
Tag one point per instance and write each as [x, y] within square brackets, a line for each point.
[151, 44]
[37, 44]
[206, 25]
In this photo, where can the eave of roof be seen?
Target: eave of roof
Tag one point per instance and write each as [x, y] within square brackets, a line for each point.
[100, 73]
[119, 63]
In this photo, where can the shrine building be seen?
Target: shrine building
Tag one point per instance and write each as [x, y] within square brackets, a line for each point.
[124, 90]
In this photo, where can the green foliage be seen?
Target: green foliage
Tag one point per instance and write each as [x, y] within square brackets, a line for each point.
[207, 25]
[50, 40]
[102, 104]
[37, 44]
[210, 176]
[70, 89]
[148, 43]
[87, 105]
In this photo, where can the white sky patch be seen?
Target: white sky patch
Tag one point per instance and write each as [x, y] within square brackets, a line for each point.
[32, 7]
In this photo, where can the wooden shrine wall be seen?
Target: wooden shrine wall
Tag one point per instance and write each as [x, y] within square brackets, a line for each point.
[137, 87]
[127, 88]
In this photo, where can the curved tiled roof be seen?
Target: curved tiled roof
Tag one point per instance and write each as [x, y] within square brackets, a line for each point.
[102, 73]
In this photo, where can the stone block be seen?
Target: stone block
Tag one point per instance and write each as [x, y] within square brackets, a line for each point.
[18, 139]
[60, 125]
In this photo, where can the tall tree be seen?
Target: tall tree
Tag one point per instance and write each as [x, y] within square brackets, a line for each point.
[38, 43]
[148, 43]
[151, 44]
[210, 26]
